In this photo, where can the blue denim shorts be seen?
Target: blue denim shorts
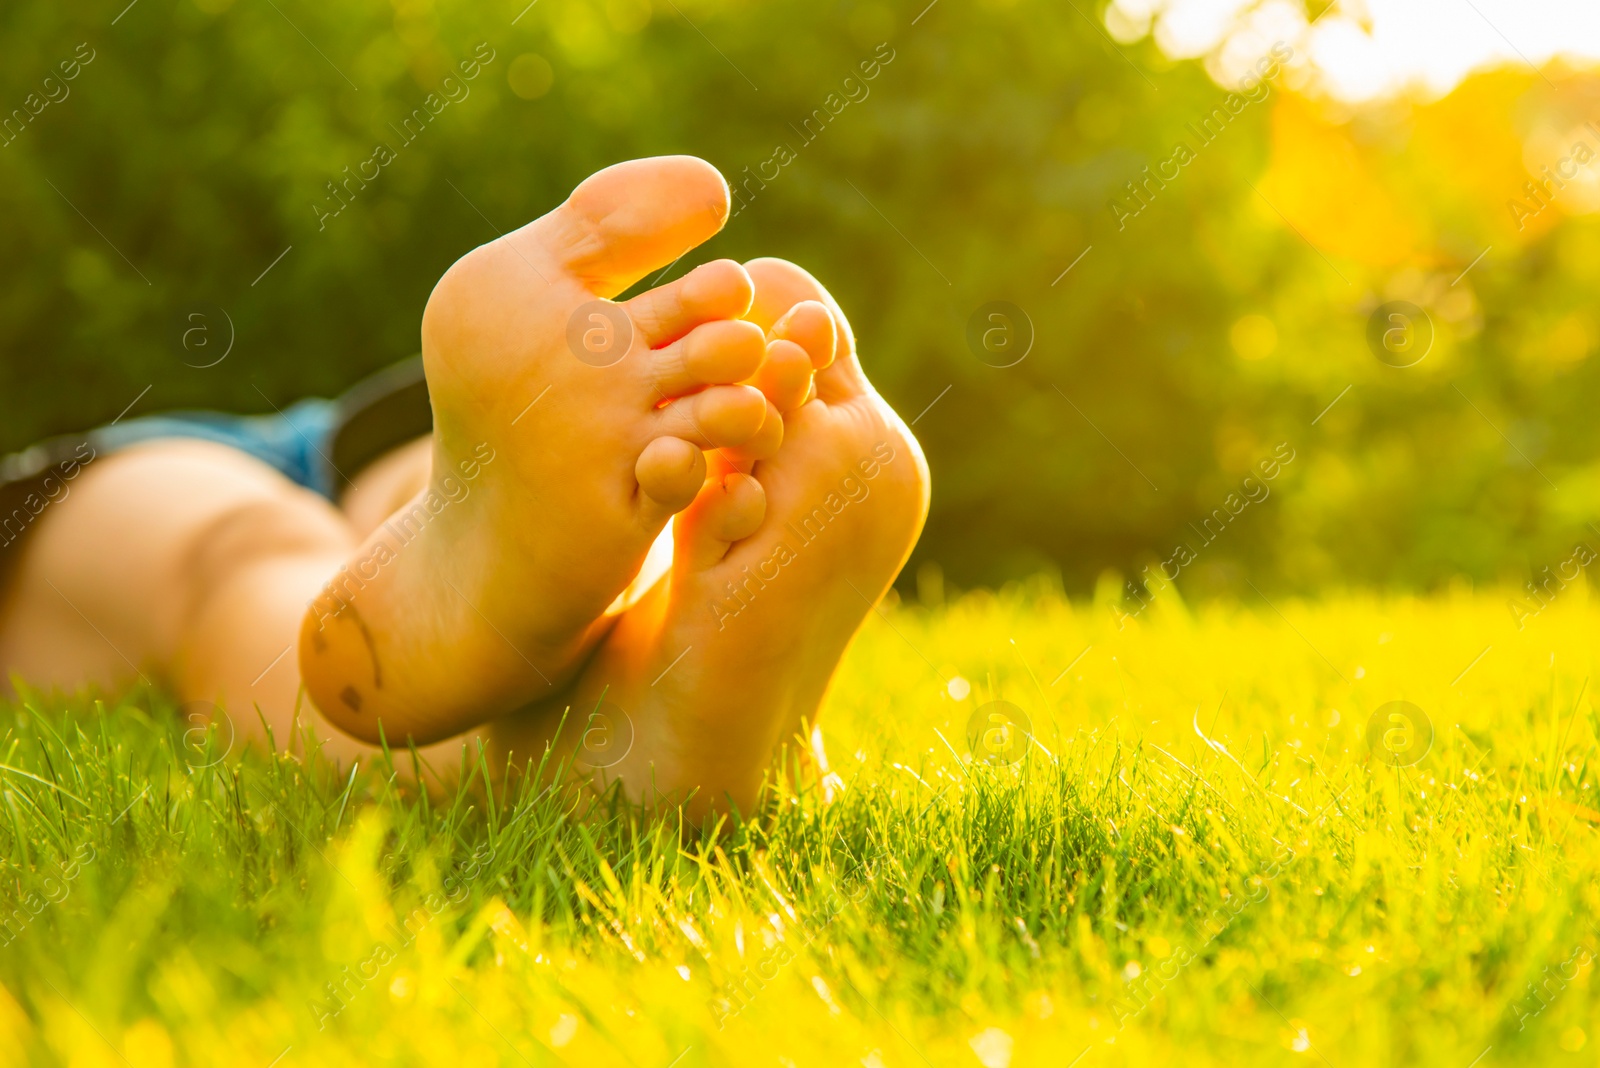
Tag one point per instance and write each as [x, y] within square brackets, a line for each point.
[316, 443]
[294, 441]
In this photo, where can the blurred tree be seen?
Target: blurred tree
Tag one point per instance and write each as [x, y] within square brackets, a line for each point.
[252, 164]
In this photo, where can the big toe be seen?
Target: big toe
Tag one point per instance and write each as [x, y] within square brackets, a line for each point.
[779, 287]
[633, 218]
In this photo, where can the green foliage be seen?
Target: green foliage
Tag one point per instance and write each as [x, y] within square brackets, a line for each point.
[975, 166]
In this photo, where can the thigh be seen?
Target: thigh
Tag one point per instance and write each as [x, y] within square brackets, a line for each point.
[189, 565]
[111, 571]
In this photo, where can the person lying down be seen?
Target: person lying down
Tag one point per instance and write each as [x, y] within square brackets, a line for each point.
[672, 512]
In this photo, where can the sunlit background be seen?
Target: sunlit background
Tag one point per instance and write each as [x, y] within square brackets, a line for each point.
[1197, 302]
[1363, 50]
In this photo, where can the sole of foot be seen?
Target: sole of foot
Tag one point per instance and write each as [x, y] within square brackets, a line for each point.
[718, 667]
[568, 429]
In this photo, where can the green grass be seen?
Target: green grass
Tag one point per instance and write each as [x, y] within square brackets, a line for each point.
[1128, 891]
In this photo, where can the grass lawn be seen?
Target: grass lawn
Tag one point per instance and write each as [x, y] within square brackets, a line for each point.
[1199, 860]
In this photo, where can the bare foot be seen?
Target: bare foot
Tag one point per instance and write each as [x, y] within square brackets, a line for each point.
[774, 571]
[567, 430]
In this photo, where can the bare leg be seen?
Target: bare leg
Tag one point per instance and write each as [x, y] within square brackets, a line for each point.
[188, 564]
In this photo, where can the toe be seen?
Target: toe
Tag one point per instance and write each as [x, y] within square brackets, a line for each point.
[729, 508]
[715, 418]
[670, 471]
[785, 375]
[715, 353]
[717, 290]
[630, 219]
[780, 287]
[802, 339]
[809, 325]
[762, 446]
